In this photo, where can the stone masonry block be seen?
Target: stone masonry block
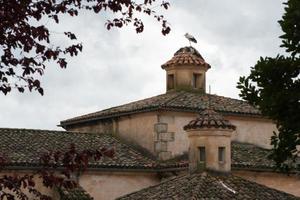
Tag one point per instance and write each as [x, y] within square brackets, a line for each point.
[164, 155]
[160, 127]
[167, 137]
[160, 146]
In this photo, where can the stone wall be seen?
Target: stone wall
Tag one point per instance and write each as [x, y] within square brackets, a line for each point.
[211, 140]
[183, 77]
[256, 131]
[163, 138]
[138, 129]
[171, 139]
[283, 182]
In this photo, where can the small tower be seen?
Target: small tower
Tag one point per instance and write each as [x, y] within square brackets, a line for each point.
[186, 70]
[210, 142]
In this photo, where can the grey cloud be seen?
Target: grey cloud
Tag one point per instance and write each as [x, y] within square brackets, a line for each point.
[120, 66]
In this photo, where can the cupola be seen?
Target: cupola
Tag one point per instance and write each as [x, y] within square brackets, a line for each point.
[210, 142]
[186, 70]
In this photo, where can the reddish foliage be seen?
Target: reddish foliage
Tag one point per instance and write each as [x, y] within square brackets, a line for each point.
[57, 169]
[25, 47]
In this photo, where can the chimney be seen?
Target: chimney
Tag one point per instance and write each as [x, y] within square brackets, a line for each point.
[210, 142]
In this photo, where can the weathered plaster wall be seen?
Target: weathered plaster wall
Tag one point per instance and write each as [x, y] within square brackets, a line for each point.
[283, 182]
[211, 140]
[138, 128]
[110, 185]
[183, 76]
[101, 185]
[256, 131]
[253, 130]
[97, 127]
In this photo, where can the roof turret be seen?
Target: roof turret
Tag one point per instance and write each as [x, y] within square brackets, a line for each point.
[186, 56]
[209, 119]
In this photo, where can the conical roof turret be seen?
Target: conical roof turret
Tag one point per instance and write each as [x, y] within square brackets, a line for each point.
[209, 119]
[186, 56]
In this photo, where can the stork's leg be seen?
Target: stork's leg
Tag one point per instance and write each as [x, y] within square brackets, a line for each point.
[190, 43]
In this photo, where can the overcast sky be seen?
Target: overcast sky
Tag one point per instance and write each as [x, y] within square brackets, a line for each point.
[119, 66]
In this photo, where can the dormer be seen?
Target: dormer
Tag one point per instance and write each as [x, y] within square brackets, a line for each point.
[210, 142]
[186, 70]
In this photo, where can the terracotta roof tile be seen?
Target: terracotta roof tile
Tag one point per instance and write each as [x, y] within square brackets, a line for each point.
[182, 101]
[201, 186]
[24, 147]
[186, 55]
[243, 155]
[250, 156]
[209, 119]
[77, 193]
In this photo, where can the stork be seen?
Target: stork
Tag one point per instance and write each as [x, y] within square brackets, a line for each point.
[190, 38]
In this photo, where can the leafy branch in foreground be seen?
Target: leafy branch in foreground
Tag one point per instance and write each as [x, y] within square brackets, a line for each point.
[57, 171]
[274, 86]
[25, 42]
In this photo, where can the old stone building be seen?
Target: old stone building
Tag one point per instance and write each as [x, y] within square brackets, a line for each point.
[209, 174]
[184, 99]
[228, 143]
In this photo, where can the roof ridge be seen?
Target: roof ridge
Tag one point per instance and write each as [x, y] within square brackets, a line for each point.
[209, 186]
[160, 183]
[31, 129]
[207, 174]
[130, 103]
[75, 118]
[250, 144]
[54, 131]
[170, 101]
[231, 98]
[263, 186]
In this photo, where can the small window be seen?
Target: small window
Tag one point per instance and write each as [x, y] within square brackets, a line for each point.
[221, 154]
[170, 81]
[202, 154]
[196, 80]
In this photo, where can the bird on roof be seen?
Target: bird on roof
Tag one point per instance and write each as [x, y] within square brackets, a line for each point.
[190, 38]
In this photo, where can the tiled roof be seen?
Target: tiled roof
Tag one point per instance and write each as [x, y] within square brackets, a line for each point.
[24, 147]
[243, 156]
[209, 186]
[209, 119]
[250, 156]
[77, 193]
[182, 101]
[186, 56]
